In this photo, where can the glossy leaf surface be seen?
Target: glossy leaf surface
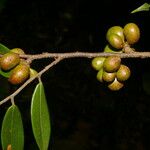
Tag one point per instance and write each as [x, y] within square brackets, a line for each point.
[144, 7]
[40, 117]
[12, 132]
[3, 49]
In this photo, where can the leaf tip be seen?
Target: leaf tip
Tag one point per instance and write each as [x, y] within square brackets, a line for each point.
[144, 7]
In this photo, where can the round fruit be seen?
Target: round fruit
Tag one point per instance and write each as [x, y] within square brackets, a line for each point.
[115, 41]
[109, 49]
[115, 30]
[123, 73]
[100, 75]
[19, 74]
[112, 64]
[33, 72]
[132, 33]
[108, 77]
[9, 61]
[115, 85]
[97, 62]
[18, 51]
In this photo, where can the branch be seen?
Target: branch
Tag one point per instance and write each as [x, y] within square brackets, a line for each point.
[61, 56]
[87, 55]
[30, 80]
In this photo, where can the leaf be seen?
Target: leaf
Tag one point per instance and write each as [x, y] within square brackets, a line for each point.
[144, 7]
[40, 117]
[12, 129]
[5, 74]
[3, 49]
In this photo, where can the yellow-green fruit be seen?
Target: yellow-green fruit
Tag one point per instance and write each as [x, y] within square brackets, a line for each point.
[97, 62]
[19, 74]
[100, 75]
[112, 64]
[33, 73]
[18, 51]
[123, 73]
[132, 33]
[23, 61]
[109, 49]
[109, 77]
[9, 61]
[115, 85]
[115, 30]
[115, 41]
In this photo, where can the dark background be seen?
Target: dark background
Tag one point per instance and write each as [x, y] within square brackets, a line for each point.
[84, 113]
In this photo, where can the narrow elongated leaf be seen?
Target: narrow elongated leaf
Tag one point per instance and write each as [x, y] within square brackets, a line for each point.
[144, 7]
[3, 49]
[5, 74]
[12, 129]
[40, 117]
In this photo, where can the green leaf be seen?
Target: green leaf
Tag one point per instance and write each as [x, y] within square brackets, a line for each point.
[12, 129]
[144, 7]
[3, 49]
[5, 74]
[40, 117]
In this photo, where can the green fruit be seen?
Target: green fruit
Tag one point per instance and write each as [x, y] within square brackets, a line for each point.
[115, 41]
[33, 73]
[18, 51]
[115, 30]
[100, 75]
[109, 49]
[19, 74]
[108, 77]
[97, 62]
[115, 85]
[132, 33]
[112, 64]
[123, 73]
[9, 61]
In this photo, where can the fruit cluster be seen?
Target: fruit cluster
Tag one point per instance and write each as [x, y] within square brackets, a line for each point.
[119, 37]
[110, 70]
[19, 68]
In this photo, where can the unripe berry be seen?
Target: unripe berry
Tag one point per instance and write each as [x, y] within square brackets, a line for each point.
[19, 74]
[115, 85]
[109, 49]
[9, 61]
[108, 77]
[18, 51]
[132, 33]
[123, 73]
[33, 72]
[115, 41]
[115, 30]
[100, 75]
[112, 64]
[97, 62]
